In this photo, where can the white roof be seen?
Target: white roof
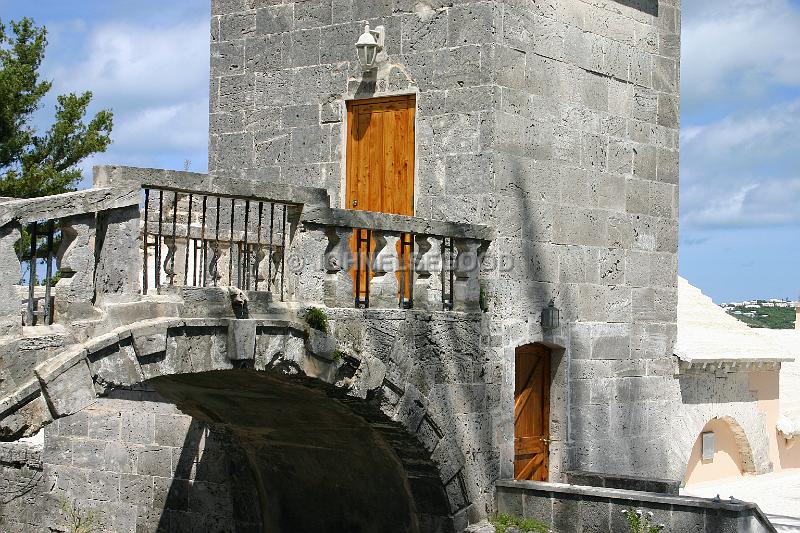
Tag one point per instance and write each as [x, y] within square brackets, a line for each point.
[707, 334]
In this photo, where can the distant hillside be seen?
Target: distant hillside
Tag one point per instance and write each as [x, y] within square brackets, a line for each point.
[765, 317]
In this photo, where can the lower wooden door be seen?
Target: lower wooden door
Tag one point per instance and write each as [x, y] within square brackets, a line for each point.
[532, 413]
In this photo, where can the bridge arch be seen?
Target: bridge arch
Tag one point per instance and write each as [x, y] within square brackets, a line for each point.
[332, 443]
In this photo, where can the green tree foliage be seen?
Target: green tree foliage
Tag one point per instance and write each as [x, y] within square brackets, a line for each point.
[32, 164]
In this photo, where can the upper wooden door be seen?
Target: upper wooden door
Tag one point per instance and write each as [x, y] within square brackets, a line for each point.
[380, 177]
[532, 413]
[380, 155]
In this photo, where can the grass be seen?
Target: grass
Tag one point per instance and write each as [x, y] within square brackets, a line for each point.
[777, 317]
[503, 521]
[317, 319]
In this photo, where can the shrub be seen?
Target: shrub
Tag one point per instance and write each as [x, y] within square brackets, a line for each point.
[317, 319]
[640, 522]
[503, 521]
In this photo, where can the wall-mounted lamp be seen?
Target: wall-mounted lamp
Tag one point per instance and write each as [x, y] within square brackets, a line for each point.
[368, 46]
[551, 316]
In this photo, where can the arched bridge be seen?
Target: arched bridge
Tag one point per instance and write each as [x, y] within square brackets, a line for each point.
[369, 413]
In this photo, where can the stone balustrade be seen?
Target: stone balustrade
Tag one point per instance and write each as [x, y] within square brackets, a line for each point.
[192, 229]
[402, 261]
[98, 232]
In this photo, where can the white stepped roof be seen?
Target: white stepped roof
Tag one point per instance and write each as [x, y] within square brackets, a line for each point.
[707, 334]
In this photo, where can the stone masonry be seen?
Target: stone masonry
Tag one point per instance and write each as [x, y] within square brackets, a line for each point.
[554, 121]
[546, 145]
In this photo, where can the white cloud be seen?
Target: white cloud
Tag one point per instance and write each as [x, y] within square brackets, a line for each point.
[743, 170]
[767, 203]
[141, 63]
[738, 50]
[155, 80]
[179, 127]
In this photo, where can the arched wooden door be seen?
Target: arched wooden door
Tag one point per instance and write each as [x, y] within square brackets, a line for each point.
[532, 412]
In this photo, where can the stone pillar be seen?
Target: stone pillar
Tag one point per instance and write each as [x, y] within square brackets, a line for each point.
[75, 291]
[119, 264]
[338, 261]
[10, 274]
[384, 287]
[305, 274]
[428, 270]
[466, 285]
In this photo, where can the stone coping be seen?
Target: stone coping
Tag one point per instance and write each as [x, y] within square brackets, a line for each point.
[396, 223]
[699, 366]
[637, 483]
[622, 494]
[221, 185]
[67, 204]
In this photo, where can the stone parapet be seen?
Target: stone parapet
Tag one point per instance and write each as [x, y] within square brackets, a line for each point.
[580, 508]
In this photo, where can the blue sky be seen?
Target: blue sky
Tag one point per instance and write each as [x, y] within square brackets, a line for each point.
[740, 137]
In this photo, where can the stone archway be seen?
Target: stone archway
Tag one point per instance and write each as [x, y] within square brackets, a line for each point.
[383, 424]
[318, 464]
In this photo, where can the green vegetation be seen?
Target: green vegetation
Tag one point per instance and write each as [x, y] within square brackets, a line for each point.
[503, 521]
[317, 319]
[337, 356]
[40, 164]
[79, 521]
[776, 317]
[641, 522]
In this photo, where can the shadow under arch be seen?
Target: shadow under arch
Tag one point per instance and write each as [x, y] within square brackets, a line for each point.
[742, 444]
[319, 460]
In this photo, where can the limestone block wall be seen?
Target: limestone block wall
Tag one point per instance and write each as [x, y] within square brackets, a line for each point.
[555, 122]
[138, 464]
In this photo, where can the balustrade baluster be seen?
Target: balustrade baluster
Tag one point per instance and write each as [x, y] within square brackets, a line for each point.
[427, 288]
[338, 283]
[383, 287]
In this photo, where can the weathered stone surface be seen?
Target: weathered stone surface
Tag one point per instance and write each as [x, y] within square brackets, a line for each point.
[116, 273]
[10, 304]
[67, 382]
[551, 129]
[76, 261]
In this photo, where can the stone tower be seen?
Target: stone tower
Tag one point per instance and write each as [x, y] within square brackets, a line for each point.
[555, 122]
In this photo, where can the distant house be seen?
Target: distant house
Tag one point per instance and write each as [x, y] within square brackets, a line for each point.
[741, 392]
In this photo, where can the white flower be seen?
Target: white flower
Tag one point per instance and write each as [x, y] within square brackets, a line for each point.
[624, 511]
[638, 512]
[650, 514]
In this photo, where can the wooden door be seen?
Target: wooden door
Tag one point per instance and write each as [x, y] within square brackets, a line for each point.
[380, 171]
[532, 412]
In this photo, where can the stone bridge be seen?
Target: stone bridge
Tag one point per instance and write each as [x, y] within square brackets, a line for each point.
[200, 403]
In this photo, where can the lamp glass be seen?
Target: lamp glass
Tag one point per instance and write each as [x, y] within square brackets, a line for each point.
[366, 55]
[551, 317]
[367, 48]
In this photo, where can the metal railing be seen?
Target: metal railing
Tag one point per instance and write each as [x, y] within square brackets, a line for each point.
[208, 240]
[405, 270]
[41, 237]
